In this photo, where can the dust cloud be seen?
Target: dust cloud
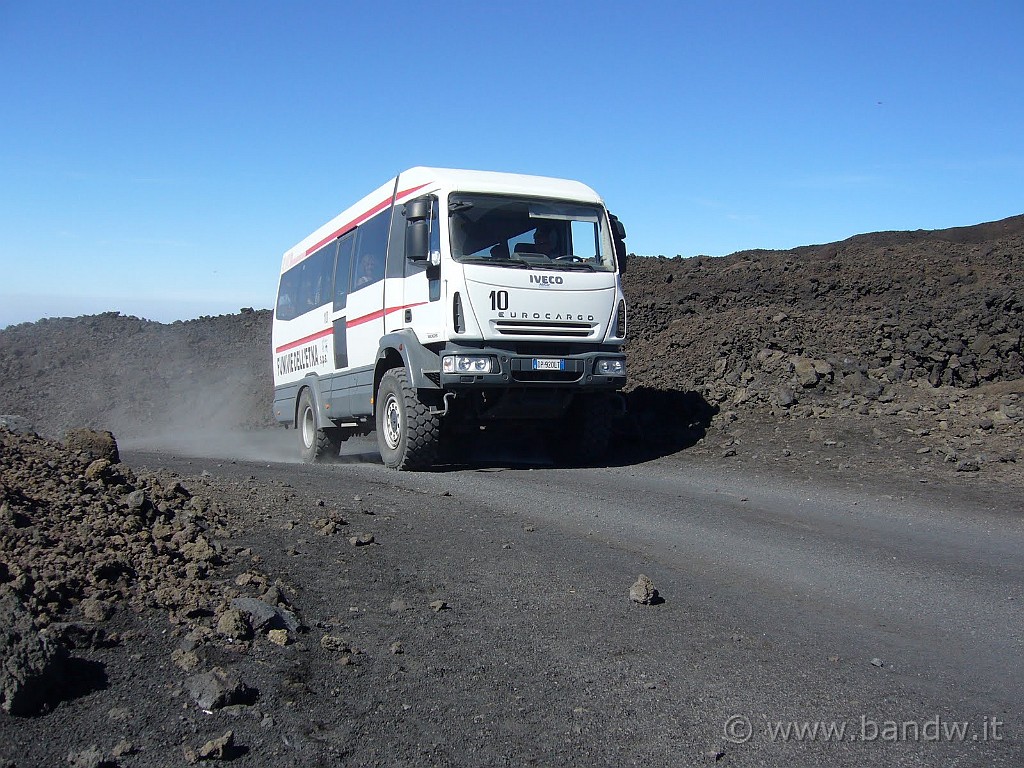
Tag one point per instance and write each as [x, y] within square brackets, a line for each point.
[271, 445]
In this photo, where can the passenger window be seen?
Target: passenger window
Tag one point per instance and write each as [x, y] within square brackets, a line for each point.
[306, 286]
[370, 251]
[287, 295]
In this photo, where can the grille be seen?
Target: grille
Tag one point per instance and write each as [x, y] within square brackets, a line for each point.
[580, 330]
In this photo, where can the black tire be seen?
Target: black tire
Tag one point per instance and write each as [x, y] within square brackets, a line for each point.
[590, 428]
[314, 444]
[408, 434]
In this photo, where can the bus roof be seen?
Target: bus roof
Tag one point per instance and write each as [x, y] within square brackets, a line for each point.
[425, 180]
[456, 180]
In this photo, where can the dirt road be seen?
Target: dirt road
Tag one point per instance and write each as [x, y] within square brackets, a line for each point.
[888, 613]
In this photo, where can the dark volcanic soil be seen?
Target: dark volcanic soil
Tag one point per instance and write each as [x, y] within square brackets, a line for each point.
[886, 355]
[138, 377]
[942, 308]
[908, 342]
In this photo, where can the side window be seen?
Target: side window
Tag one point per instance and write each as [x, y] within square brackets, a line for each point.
[370, 251]
[342, 269]
[287, 295]
[435, 235]
[434, 257]
[315, 281]
[306, 286]
[586, 242]
[396, 243]
[424, 224]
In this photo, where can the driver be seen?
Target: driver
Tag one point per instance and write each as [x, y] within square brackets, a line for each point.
[545, 241]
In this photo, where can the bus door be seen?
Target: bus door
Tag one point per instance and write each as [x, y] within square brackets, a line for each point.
[364, 319]
[420, 296]
[339, 401]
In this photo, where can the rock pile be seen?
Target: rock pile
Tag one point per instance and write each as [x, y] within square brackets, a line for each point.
[84, 538]
[81, 534]
[941, 308]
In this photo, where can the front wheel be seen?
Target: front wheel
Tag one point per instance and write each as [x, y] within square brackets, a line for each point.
[408, 434]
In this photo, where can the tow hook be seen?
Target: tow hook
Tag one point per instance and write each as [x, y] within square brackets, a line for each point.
[447, 404]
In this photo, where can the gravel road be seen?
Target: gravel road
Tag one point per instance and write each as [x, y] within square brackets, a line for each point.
[888, 608]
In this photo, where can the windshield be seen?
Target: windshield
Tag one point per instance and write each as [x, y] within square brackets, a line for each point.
[524, 233]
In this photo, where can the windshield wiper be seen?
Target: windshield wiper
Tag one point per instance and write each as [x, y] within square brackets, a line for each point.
[585, 266]
[510, 262]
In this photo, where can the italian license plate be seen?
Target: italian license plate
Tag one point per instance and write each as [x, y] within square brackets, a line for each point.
[548, 365]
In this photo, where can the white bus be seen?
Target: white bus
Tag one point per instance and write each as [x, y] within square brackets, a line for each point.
[450, 300]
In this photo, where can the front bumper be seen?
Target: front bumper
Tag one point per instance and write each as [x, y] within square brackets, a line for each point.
[575, 370]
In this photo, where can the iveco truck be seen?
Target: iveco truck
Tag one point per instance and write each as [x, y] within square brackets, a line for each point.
[446, 302]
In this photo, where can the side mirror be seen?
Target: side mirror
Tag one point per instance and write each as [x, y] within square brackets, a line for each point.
[619, 238]
[417, 239]
[618, 230]
[417, 229]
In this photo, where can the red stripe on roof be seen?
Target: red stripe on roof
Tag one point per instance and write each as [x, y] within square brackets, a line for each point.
[363, 217]
[304, 340]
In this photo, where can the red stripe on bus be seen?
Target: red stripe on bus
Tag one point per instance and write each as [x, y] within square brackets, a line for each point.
[365, 318]
[305, 340]
[379, 314]
[360, 219]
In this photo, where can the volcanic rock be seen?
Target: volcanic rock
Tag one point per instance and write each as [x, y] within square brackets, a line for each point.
[96, 445]
[33, 663]
[643, 591]
[219, 688]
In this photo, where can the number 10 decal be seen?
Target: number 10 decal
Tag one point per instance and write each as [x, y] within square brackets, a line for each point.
[499, 300]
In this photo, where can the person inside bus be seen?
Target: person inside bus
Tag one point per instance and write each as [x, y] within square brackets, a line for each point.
[545, 240]
[307, 292]
[366, 271]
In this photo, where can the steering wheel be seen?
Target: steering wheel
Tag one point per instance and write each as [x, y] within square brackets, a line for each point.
[570, 257]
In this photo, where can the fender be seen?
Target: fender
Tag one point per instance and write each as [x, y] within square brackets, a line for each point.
[311, 382]
[417, 359]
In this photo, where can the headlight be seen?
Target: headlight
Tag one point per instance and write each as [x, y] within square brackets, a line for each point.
[610, 367]
[467, 364]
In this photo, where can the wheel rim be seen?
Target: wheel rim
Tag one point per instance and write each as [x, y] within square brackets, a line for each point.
[308, 427]
[392, 422]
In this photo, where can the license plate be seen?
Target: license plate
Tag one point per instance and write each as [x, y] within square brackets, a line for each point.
[548, 365]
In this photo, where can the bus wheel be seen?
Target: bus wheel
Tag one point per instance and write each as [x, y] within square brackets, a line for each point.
[315, 444]
[408, 434]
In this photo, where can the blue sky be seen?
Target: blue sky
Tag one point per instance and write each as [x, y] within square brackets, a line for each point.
[158, 158]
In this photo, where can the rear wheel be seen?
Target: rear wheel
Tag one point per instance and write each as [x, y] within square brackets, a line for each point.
[408, 434]
[315, 444]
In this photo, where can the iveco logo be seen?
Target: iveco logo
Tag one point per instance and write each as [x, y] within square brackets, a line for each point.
[546, 279]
